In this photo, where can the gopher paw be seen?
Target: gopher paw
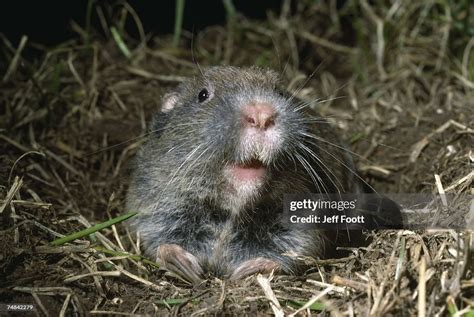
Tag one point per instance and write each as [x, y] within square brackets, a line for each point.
[174, 258]
[253, 266]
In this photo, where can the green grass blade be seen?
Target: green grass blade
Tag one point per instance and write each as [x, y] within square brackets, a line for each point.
[356, 137]
[88, 19]
[229, 8]
[91, 230]
[298, 304]
[178, 22]
[470, 313]
[120, 43]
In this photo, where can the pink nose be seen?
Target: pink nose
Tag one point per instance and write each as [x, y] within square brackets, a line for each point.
[259, 115]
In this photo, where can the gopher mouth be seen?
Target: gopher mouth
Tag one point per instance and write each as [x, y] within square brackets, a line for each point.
[244, 182]
[251, 171]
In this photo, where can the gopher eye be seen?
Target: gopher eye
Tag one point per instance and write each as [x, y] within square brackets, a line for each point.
[283, 93]
[203, 95]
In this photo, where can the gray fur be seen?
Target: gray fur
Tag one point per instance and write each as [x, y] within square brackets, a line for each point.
[178, 186]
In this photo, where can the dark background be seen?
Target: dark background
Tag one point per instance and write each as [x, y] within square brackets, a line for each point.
[49, 21]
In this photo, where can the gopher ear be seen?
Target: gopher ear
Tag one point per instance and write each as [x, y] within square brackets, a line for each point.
[169, 101]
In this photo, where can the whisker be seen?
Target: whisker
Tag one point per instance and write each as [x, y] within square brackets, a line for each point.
[172, 178]
[135, 138]
[297, 91]
[175, 174]
[193, 57]
[347, 167]
[323, 168]
[316, 101]
[115, 145]
[343, 148]
[193, 163]
[311, 172]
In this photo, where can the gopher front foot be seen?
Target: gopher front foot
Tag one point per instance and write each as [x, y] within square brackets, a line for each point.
[253, 266]
[174, 258]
